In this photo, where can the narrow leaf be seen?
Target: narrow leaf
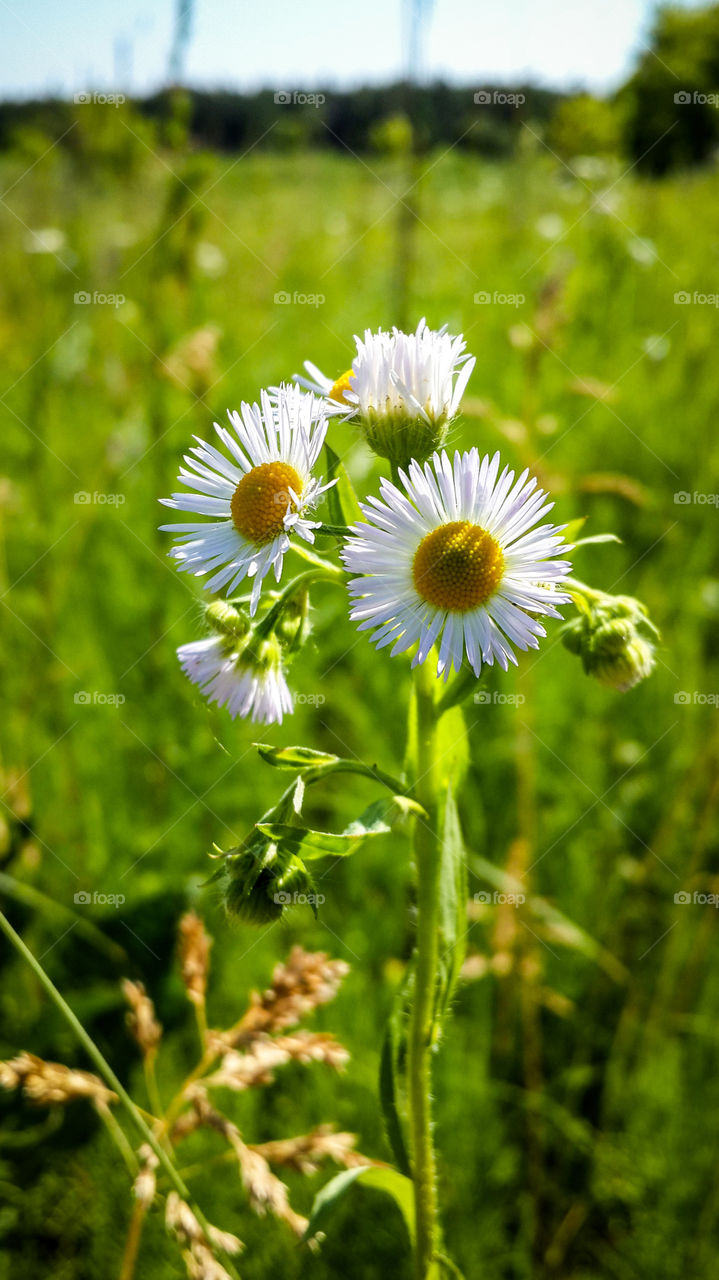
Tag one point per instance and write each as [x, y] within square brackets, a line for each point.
[342, 505]
[391, 1073]
[378, 1177]
[595, 538]
[452, 909]
[295, 757]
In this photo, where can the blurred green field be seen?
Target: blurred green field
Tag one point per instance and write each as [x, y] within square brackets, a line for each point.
[577, 1111]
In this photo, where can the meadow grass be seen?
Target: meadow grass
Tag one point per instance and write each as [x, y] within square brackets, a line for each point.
[575, 1098]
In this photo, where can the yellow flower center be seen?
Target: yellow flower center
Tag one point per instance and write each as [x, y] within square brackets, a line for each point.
[261, 501]
[457, 566]
[338, 388]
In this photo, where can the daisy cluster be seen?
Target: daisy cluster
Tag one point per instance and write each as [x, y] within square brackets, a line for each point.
[451, 556]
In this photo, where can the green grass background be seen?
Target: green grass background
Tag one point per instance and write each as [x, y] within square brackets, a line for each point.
[576, 1102]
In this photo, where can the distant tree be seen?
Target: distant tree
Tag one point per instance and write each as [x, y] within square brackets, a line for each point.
[670, 104]
[586, 126]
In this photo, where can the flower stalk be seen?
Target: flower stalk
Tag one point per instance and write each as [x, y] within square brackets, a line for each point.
[426, 848]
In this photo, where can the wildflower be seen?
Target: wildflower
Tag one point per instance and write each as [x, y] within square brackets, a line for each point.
[259, 497]
[404, 388]
[249, 681]
[456, 560]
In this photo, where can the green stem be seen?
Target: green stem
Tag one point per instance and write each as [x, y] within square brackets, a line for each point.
[427, 860]
[334, 570]
[109, 1077]
[325, 573]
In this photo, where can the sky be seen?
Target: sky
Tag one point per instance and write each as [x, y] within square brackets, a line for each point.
[65, 46]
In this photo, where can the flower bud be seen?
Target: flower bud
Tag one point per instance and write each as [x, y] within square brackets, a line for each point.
[224, 619]
[262, 881]
[293, 625]
[614, 637]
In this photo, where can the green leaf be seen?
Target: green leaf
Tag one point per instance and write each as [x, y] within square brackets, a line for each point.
[453, 894]
[342, 505]
[295, 757]
[452, 747]
[391, 1072]
[376, 820]
[595, 539]
[319, 764]
[573, 528]
[378, 1177]
[309, 844]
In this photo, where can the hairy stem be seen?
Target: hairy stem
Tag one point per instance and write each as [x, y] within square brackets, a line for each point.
[427, 860]
[109, 1077]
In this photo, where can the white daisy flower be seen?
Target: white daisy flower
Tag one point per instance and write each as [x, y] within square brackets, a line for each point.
[405, 388]
[247, 685]
[258, 497]
[457, 561]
